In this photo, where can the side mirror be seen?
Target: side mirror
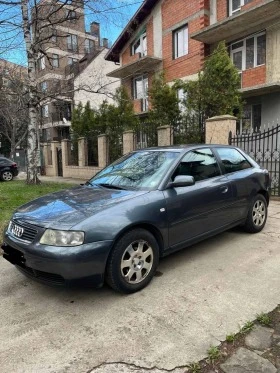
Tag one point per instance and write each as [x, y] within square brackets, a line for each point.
[181, 181]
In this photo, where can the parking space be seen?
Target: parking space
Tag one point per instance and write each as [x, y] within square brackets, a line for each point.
[200, 295]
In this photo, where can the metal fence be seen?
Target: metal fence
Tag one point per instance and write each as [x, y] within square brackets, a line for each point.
[190, 131]
[264, 148]
[74, 153]
[92, 150]
[146, 135]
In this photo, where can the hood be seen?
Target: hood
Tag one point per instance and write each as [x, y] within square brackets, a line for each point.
[68, 207]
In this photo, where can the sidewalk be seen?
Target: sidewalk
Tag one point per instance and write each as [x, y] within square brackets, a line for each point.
[53, 179]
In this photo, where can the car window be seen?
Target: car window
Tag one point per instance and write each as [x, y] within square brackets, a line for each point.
[199, 163]
[233, 160]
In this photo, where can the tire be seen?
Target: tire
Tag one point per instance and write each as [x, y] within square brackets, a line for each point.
[257, 215]
[133, 261]
[7, 176]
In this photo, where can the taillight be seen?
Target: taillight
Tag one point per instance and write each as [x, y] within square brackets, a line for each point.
[14, 165]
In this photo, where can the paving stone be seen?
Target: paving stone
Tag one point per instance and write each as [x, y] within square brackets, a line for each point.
[260, 338]
[247, 361]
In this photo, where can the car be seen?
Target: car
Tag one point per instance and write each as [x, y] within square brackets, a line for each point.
[147, 204]
[8, 169]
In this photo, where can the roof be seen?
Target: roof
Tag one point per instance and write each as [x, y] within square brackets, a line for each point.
[140, 15]
[181, 148]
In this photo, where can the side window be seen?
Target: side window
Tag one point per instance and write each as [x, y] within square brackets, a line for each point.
[233, 160]
[199, 163]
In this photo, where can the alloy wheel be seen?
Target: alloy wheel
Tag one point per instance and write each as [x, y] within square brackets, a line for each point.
[7, 176]
[259, 213]
[137, 262]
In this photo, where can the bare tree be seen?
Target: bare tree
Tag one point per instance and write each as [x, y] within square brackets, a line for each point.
[13, 106]
[32, 24]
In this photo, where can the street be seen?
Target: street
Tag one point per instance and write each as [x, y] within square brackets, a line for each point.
[199, 295]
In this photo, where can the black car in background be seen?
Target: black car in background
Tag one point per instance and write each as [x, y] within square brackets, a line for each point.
[147, 204]
[8, 169]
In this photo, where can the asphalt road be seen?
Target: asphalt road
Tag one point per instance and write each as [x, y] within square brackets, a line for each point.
[204, 293]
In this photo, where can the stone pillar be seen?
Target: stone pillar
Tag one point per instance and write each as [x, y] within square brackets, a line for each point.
[54, 146]
[65, 148]
[82, 152]
[103, 151]
[45, 154]
[217, 129]
[128, 142]
[165, 136]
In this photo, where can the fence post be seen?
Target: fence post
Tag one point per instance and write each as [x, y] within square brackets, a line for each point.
[54, 146]
[45, 154]
[65, 148]
[128, 141]
[82, 152]
[165, 135]
[102, 151]
[217, 129]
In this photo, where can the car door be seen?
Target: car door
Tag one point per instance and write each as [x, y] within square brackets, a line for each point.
[203, 207]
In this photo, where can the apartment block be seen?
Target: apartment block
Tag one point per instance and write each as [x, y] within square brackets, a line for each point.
[63, 42]
[176, 36]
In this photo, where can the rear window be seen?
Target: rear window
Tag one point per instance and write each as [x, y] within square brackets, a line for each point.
[233, 160]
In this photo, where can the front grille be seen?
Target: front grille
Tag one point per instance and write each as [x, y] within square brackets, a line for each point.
[22, 231]
[47, 277]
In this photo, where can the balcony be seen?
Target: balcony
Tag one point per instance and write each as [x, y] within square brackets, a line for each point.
[141, 66]
[241, 24]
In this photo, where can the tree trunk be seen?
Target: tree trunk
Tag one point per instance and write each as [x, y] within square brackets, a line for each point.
[32, 143]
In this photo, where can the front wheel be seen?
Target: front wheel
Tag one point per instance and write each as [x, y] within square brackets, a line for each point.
[7, 176]
[133, 261]
[257, 215]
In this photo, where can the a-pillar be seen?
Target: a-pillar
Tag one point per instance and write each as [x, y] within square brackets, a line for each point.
[217, 129]
[165, 136]
[103, 151]
[128, 141]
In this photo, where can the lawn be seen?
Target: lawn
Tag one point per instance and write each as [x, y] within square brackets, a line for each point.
[15, 193]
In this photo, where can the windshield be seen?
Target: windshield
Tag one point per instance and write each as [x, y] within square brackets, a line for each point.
[140, 170]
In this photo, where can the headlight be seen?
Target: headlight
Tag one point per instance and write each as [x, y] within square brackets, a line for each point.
[62, 238]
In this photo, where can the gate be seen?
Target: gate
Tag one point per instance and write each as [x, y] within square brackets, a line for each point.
[264, 148]
[59, 162]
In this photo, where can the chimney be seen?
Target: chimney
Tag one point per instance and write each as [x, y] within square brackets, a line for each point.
[105, 42]
[95, 30]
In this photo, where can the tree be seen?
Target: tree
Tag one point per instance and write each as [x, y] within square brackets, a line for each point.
[164, 102]
[13, 107]
[216, 91]
[33, 24]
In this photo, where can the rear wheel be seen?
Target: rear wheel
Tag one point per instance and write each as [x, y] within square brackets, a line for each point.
[7, 176]
[133, 261]
[257, 215]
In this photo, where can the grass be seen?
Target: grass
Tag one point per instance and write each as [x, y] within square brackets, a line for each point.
[15, 193]
[247, 327]
[231, 338]
[194, 367]
[213, 354]
[264, 319]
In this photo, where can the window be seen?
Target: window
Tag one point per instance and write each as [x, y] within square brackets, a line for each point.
[251, 118]
[140, 90]
[180, 42]
[89, 46]
[71, 15]
[199, 163]
[232, 160]
[55, 60]
[72, 42]
[235, 5]
[45, 111]
[54, 36]
[140, 45]
[41, 63]
[44, 86]
[250, 52]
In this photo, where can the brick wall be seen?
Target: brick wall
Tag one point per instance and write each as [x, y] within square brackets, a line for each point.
[222, 8]
[254, 77]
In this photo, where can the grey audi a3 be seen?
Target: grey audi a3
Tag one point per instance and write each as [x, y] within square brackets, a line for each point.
[146, 205]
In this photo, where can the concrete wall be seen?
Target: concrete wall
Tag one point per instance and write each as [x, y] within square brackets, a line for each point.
[94, 78]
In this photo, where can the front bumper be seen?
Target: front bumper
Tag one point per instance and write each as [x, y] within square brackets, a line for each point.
[59, 265]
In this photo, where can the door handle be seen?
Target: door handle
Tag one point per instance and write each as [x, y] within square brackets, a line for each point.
[224, 189]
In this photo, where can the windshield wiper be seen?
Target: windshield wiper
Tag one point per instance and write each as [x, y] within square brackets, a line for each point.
[112, 186]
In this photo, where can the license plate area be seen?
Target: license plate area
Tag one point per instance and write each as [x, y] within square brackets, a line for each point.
[13, 256]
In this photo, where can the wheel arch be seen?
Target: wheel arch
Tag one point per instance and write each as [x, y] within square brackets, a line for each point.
[265, 194]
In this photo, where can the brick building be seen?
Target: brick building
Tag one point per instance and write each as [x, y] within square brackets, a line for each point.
[177, 35]
[64, 42]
